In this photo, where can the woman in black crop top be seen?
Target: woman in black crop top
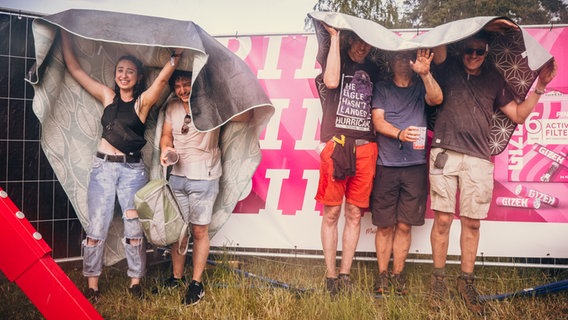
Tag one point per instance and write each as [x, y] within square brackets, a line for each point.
[118, 170]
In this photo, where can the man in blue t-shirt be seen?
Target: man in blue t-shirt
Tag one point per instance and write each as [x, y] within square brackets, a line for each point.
[398, 200]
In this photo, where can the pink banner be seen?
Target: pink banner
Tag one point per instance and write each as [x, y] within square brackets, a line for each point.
[530, 175]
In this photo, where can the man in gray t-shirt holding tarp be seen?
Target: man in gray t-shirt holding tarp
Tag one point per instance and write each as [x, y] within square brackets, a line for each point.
[460, 158]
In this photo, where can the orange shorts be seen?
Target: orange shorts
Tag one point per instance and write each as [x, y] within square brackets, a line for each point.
[356, 189]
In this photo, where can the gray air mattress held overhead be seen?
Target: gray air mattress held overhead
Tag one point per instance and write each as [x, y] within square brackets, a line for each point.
[223, 87]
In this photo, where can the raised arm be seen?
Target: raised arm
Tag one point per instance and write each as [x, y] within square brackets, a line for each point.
[166, 141]
[333, 64]
[518, 113]
[421, 66]
[98, 90]
[501, 25]
[152, 94]
[440, 54]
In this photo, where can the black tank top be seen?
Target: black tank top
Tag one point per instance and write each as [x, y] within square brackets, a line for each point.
[122, 128]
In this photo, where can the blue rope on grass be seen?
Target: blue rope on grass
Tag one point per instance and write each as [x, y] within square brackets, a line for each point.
[538, 290]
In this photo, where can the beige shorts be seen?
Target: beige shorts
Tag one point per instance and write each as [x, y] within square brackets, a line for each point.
[474, 178]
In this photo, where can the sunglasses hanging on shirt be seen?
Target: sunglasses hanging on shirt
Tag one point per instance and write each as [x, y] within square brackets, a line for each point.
[185, 126]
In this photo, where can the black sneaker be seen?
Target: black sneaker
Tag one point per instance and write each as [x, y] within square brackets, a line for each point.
[172, 282]
[194, 294]
[332, 286]
[136, 291]
[92, 295]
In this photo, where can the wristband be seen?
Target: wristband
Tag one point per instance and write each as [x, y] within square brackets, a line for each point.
[398, 138]
[539, 92]
[172, 61]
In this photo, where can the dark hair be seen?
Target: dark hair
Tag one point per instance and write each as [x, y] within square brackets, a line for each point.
[390, 55]
[178, 74]
[346, 37]
[482, 35]
[140, 85]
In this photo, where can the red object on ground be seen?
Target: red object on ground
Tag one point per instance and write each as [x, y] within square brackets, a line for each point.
[25, 258]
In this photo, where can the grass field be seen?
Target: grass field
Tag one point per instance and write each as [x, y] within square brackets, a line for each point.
[290, 288]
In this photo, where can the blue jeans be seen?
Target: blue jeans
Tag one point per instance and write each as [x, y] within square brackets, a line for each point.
[107, 181]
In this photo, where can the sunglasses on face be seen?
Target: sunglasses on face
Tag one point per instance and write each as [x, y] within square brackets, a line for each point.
[185, 127]
[470, 51]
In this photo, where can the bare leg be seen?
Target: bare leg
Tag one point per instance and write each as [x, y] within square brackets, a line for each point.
[350, 238]
[200, 250]
[440, 237]
[401, 245]
[329, 238]
[469, 240]
[93, 283]
[383, 246]
[178, 260]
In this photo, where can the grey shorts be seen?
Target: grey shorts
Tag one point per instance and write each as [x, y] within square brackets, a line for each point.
[195, 197]
[471, 175]
[399, 195]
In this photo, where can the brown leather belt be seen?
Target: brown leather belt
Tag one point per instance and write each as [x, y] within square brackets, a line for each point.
[119, 158]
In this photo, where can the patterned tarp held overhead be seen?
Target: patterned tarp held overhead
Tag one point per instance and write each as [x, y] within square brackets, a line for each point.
[223, 87]
[515, 53]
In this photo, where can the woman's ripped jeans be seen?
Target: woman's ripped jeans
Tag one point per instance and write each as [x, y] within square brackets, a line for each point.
[108, 181]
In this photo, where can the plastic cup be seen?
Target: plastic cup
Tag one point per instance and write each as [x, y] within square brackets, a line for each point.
[421, 142]
[171, 158]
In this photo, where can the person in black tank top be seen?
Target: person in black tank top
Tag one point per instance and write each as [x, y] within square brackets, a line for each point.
[118, 170]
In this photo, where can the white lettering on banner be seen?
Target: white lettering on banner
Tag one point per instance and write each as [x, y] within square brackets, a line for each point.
[275, 176]
[516, 150]
[308, 70]
[244, 48]
[309, 203]
[270, 69]
[313, 118]
[542, 196]
[555, 131]
[270, 141]
[557, 157]
[533, 127]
